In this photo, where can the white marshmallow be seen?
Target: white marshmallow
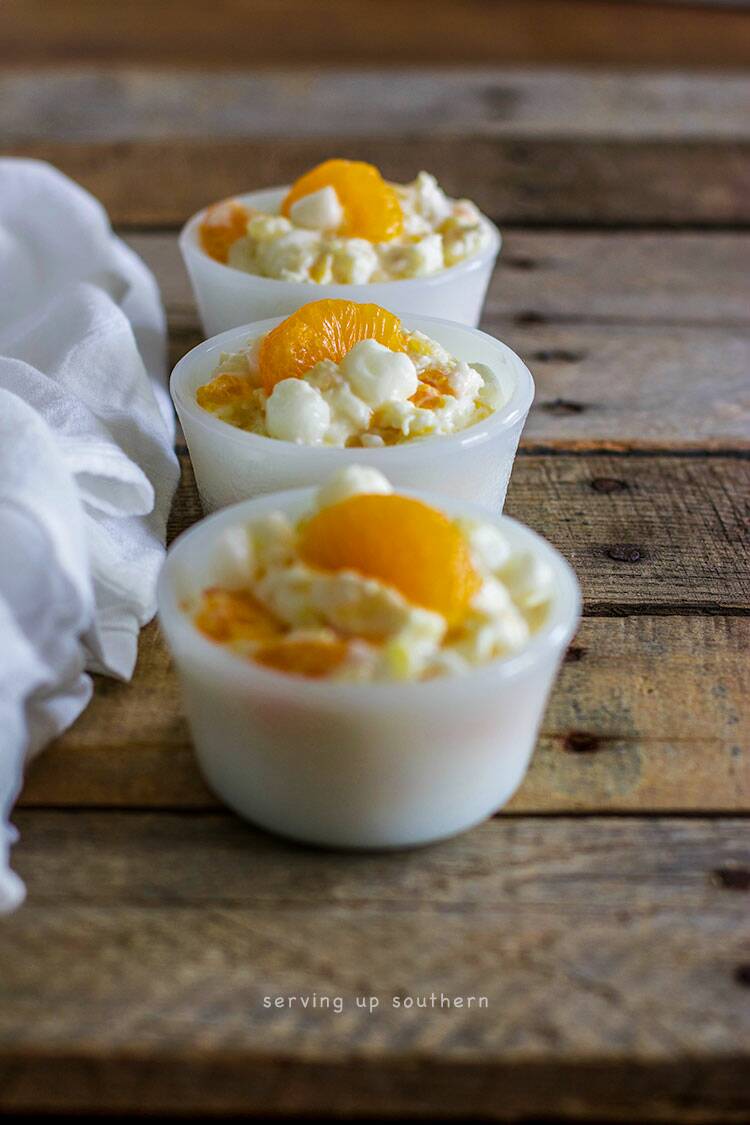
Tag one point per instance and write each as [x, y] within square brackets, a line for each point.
[432, 202]
[424, 257]
[234, 559]
[354, 261]
[288, 257]
[491, 392]
[352, 481]
[297, 412]
[378, 375]
[320, 210]
[489, 547]
[465, 381]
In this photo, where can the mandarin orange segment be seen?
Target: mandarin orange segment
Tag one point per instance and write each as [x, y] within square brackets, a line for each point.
[323, 330]
[426, 397]
[222, 225]
[371, 206]
[311, 657]
[234, 616]
[433, 387]
[439, 380]
[222, 391]
[400, 541]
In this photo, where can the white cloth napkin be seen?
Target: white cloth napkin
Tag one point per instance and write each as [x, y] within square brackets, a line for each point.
[87, 468]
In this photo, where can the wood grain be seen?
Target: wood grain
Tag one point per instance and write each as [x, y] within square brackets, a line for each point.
[357, 32]
[611, 954]
[106, 104]
[544, 181]
[614, 952]
[612, 740]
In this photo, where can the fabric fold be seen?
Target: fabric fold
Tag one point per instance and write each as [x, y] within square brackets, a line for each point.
[87, 467]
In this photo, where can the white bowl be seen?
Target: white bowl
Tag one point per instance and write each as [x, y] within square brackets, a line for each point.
[475, 464]
[227, 296]
[359, 765]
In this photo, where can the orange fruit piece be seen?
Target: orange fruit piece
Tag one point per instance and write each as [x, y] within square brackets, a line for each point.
[400, 541]
[222, 391]
[233, 616]
[222, 225]
[426, 397]
[432, 389]
[439, 380]
[372, 209]
[323, 330]
[314, 658]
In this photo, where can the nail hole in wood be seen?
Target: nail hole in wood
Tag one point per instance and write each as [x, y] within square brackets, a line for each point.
[625, 552]
[529, 316]
[732, 878]
[581, 742]
[742, 975]
[608, 484]
[562, 406]
[557, 355]
[519, 262]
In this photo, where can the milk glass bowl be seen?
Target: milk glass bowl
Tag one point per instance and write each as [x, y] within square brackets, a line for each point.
[359, 765]
[474, 464]
[227, 297]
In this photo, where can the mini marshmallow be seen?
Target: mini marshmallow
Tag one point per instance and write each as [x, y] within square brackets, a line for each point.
[297, 412]
[234, 559]
[379, 375]
[352, 481]
[354, 261]
[491, 391]
[320, 210]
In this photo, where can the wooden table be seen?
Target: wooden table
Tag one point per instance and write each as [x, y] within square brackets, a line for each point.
[604, 914]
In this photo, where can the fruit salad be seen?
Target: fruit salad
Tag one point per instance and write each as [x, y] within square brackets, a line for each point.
[342, 223]
[371, 585]
[340, 373]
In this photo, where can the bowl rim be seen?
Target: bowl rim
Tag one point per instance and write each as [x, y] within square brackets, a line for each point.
[182, 635]
[510, 413]
[191, 247]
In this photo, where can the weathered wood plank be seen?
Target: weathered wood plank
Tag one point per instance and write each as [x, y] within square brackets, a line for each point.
[549, 181]
[121, 104]
[357, 32]
[644, 533]
[618, 277]
[635, 387]
[622, 277]
[648, 714]
[612, 956]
